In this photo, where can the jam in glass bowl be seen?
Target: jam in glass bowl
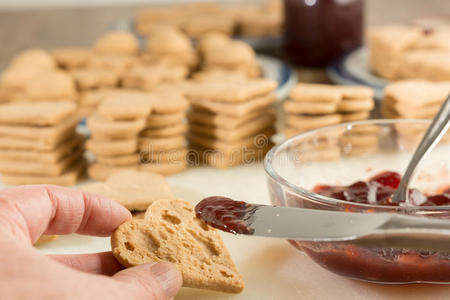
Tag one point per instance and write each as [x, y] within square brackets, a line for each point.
[355, 167]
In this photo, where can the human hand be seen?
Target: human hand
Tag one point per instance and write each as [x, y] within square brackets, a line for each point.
[27, 212]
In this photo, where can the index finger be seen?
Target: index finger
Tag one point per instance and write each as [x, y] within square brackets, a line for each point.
[37, 209]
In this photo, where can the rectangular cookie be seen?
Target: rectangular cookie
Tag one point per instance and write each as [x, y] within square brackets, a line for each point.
[14, 143]
[54, 133]
[232, 91]
[51, 156]
[118, 160]
[322, 93]
[355, 105]
[161, 120]
[143, 157]
[246, 130]
[235, 109]
[295, 107]
[355, 116]
[305, 122]
[416, 92]
[196, 116]
[220, 160]
[173, 130]
[112, 147]
[36, 113]
[258, 141]
[161, 143]
[40, 168]
[168, 102]
[101, 127]
[355, 92]
[427, 112]
[126, 106]
[69, 177]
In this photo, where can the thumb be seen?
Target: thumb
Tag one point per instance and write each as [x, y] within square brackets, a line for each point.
[152, 281]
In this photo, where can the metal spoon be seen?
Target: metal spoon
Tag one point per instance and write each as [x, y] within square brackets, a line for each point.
[434, 134]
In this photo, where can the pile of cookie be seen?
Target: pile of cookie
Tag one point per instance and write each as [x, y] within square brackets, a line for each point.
[414, 99]
[138, 130]
[38, 143]
[219, 52]
[312, 106]
[410, 52]
[198, 19]
[100, 74]
[33, 75]
[231, 122]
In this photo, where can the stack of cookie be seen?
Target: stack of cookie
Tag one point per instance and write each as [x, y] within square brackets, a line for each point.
[409, 51]
[115, 128]
[38, 143]
[137, 130]
[219, 52]
[162, 143]
[99, 71]
[418, 98]
[312, 106]
[33, 76]
[231, 122]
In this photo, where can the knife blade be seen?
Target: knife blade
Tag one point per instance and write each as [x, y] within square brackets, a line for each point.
[365, 229]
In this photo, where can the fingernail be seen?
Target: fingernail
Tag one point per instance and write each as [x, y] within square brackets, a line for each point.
[169, 277]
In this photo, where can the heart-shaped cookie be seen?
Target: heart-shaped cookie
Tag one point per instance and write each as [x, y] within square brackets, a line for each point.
[171, 232]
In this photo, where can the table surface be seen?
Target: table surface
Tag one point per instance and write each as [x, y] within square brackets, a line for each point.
[271, 268]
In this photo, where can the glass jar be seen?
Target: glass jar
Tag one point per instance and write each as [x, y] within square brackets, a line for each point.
[317, 31]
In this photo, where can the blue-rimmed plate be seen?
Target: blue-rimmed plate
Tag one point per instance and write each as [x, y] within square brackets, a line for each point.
[354, 68]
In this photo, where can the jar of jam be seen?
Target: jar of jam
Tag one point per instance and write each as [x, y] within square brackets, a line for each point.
[317, 31]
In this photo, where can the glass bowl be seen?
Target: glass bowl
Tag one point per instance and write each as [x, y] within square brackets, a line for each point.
[342, 155]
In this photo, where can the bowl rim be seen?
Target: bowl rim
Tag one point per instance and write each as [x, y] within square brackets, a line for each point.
[270, 171]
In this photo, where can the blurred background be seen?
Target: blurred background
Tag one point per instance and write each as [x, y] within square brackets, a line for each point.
[53, 23]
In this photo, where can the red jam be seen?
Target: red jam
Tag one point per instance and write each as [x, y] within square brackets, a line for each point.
[387, 265]
[225, 214]
[379, 190]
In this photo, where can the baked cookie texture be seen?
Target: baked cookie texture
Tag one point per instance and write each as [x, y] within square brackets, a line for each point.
[407, 52]
[312, 106]
[199, 19]
[138, 130]
[136, 190]
[231, 122]
[415, 98]
[170, 232]
[38, 143]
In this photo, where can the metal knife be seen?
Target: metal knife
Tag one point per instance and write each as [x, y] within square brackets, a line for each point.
[365, 229]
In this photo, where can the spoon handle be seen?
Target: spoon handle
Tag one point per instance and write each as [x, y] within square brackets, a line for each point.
[434, 134]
